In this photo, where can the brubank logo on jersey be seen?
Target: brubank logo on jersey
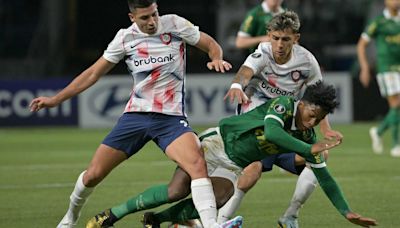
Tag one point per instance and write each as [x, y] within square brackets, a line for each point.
[153, 60]
[275, 90]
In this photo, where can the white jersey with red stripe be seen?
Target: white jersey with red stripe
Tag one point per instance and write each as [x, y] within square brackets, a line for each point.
[271, 80]
[157, 64]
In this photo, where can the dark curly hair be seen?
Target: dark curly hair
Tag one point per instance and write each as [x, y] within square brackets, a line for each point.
[323, 95]
[133, 4]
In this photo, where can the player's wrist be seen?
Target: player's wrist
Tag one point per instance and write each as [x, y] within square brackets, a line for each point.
[236, 86]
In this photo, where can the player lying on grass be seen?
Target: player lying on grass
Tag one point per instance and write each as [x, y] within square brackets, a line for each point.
[279, 126]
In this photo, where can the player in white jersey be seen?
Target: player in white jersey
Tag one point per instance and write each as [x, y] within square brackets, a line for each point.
[154, 50]
[279, 67]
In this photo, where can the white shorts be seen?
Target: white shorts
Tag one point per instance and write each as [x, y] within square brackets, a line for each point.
[218, 162]
[389, 83]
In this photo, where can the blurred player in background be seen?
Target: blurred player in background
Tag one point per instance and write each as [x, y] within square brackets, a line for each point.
[278, 67]
[254, 27]
[280, 125]
[385, 29]
[153, 48]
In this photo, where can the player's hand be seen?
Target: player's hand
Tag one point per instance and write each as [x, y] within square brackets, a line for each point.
[365, 77]
[324, 145]
[359, 220]
[332, 134]
[240, 96]
[42, 102]
[219, 65]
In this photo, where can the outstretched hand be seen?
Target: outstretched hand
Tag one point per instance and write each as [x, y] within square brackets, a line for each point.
[219, 65]
[361, 221]
[238, 94]
[324, 145]
[42, 102]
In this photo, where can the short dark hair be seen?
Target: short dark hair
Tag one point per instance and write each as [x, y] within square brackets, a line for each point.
[133, 4]
[323, 95]
[283, 21]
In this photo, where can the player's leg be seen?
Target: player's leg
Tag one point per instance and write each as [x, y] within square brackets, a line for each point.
[389, 87]
[104, 160]
[250, 175]
[394, 104]
[186, 151]
[305, 186]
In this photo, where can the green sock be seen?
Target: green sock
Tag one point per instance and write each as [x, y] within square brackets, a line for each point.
[395, 127]
[388, 121]
[182, 211]
[150, 198]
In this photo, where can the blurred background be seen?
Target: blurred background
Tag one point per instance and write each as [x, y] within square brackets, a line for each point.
[51, 41]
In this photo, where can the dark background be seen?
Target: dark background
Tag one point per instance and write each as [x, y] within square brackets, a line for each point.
[58, 38]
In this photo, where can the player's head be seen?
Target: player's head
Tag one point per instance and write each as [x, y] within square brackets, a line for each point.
[145, 14]
[273, 5]
[392, 4]
[318, 100]
[283, 31]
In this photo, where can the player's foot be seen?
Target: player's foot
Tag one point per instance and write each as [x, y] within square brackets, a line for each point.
[150, 221]
[102, 220]
[395, 151]
[233, 223]
[67, 221]
[377, 145]
[288, 222]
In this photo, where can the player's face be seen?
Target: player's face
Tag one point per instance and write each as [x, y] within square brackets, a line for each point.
[308, 115]
[273, 5]
[393, 4]
[146, 18]
[282, 43]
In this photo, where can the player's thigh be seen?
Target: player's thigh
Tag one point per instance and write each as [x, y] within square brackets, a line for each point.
[389, 87]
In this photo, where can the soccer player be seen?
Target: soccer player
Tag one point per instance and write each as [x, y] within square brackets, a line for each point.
[385, 29]
[253, 28]
[153, 48]
[278, 67]
[280, 125]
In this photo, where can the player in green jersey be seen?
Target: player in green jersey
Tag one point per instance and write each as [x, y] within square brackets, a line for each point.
[253, 29]
[281, 125]
[385, 29]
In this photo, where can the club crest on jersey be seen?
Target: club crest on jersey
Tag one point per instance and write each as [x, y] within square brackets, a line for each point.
[296, 75]
[166, 38]
[279, 108]
[256, 55]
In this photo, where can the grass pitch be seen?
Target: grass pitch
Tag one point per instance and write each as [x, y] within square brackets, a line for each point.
[39, 166]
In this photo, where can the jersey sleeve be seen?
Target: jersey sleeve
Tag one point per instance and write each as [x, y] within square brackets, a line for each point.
[115, 50]
[257, 60]
[370, 30]
[186, 30]
[248, 26]
[331, 189]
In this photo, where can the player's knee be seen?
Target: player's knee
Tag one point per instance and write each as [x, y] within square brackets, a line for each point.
[93, 177]
[196, 167]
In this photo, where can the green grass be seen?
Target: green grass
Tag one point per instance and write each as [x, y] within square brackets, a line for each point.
[39, 166]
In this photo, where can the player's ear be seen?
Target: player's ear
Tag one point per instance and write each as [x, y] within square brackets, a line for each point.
[296, 38]
[131, 17]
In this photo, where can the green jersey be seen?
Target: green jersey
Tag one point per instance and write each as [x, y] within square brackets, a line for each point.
[386, 32]
[255, 23]
[269, 129]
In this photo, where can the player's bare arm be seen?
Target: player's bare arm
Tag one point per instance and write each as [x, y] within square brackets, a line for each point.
[244, 42]
[240, 80]
[215, 53]
[83, 81]
[365, 76]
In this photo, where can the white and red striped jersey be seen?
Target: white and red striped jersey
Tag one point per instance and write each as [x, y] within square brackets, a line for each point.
[157, 64]
[271, 80]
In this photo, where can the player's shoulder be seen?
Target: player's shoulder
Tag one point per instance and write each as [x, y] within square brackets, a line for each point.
[303, 53]
[173, 22]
